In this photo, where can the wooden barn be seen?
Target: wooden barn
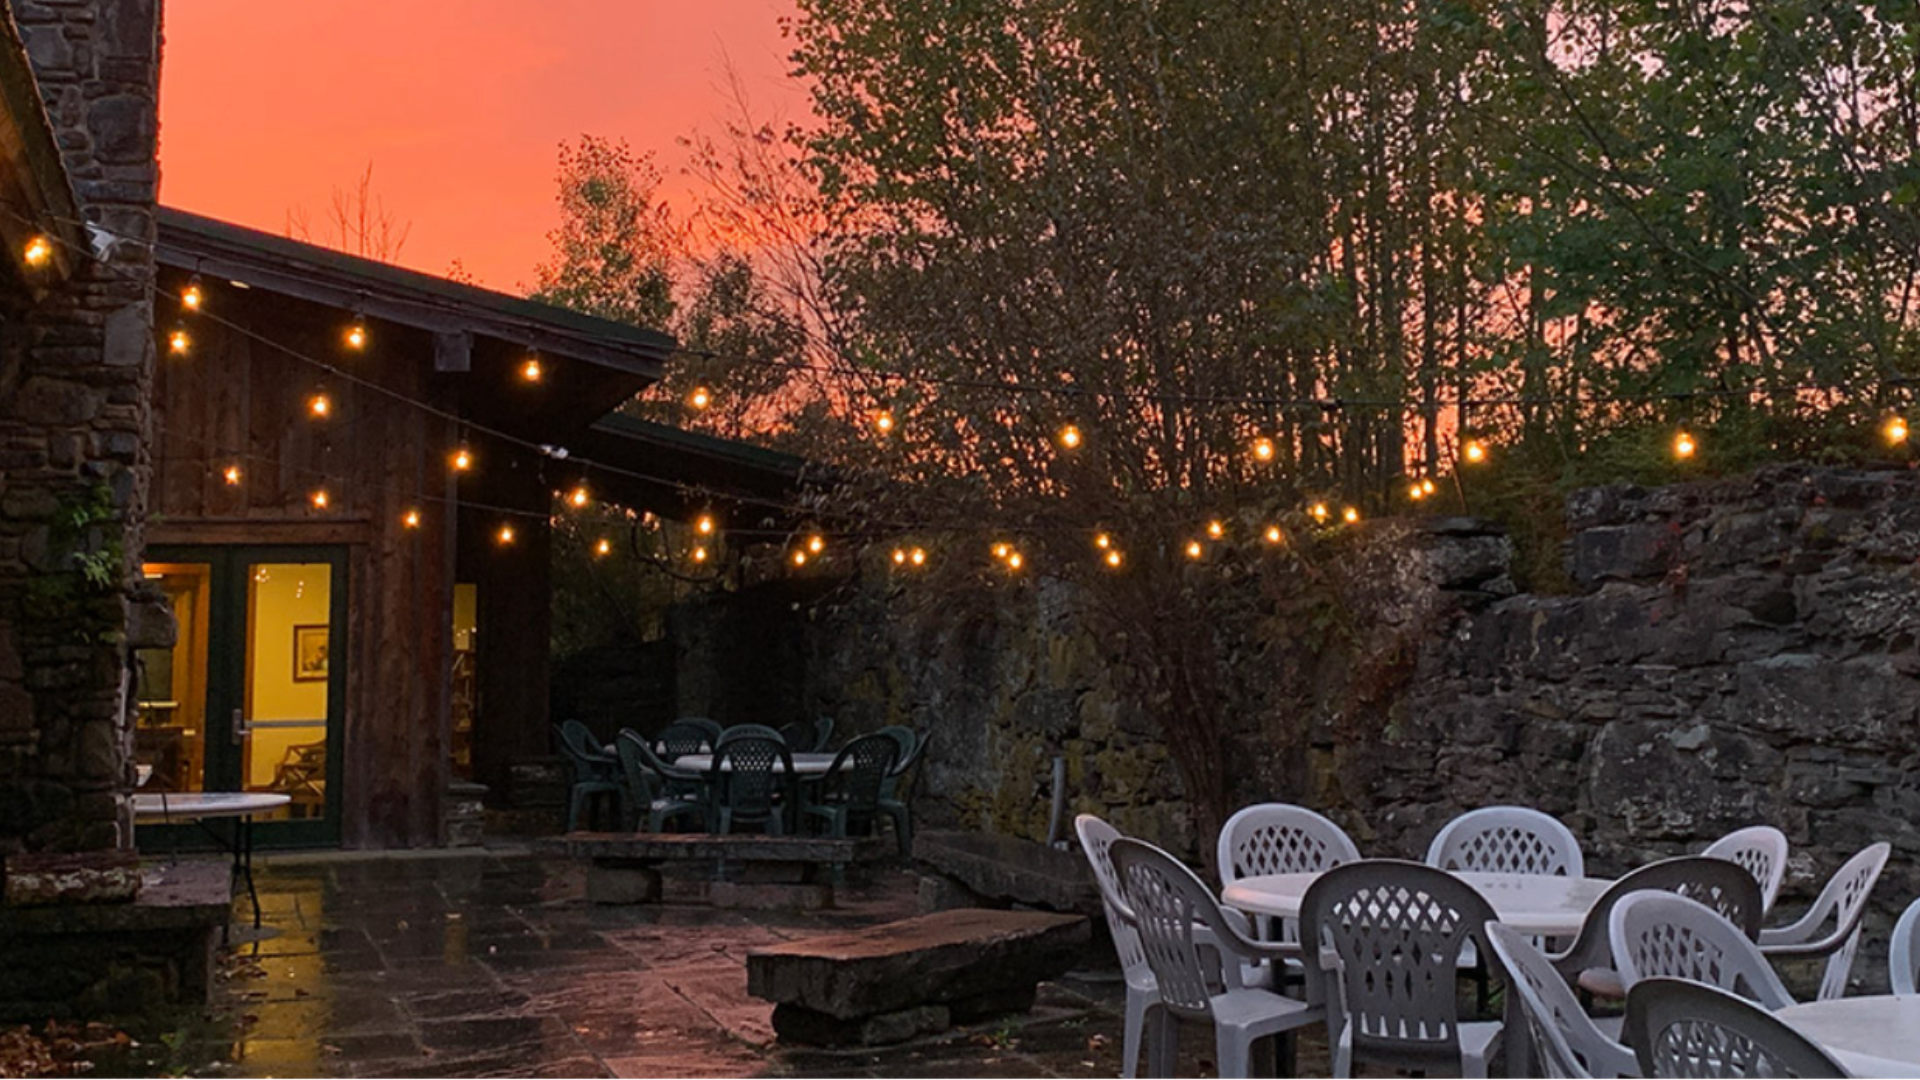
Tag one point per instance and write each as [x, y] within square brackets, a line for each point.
[353, 477]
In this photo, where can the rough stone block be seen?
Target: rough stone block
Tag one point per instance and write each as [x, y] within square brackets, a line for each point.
[614, 882]
[99, 877]
[797, 1023]
[1009, 869]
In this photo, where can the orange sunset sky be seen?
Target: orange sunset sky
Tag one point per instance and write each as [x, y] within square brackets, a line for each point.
[268, 105]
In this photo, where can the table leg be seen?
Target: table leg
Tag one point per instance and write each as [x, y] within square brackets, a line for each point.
[243, 854]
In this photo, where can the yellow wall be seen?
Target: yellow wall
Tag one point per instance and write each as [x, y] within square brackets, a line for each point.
[291, 595]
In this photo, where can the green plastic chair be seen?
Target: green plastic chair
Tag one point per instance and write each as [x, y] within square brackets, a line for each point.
[750, 731]
[595, 772]
[651, 785]
[850, 793]
[752, 782]
[681, 738]
[799, 737]
[896, 795]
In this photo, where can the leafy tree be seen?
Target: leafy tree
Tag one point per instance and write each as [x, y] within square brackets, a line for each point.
[613, 251]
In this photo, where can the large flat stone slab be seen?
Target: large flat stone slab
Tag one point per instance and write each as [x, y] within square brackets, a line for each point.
[962, 956]
[1012, 870]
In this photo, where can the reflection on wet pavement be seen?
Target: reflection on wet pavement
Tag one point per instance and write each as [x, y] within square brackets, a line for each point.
[484, 964]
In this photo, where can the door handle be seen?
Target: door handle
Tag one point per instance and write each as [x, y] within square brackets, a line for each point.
[240, 729]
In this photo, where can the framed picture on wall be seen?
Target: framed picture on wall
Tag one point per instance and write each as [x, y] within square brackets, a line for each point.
[309, 653]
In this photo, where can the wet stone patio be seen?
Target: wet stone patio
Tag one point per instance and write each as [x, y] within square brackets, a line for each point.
[492, 964]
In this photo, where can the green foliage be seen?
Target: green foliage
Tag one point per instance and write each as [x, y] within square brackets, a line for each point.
[613, 249]
[92, 561]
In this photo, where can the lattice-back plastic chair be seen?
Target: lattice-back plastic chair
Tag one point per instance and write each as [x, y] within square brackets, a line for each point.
[711, 727]
[752, 783]
[750, 731]
[1390, 935]
[896, 795]
[681, 738]
[1903, 953]
[823, 733]
[798, 736]
[649, 790]
[1843, 900]
[1762, 851]
[1507, 840]
[1190, 944]
[1683, 1028]
[1566, 1042]
[1143, 992]
[1280, 838]
[1660, 935]
[595, 772]
[849, 795]
[1721, 885]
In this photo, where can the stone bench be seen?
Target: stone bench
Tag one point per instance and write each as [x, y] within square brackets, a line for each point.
[1002, 870]
[898, 980]
[782, 872]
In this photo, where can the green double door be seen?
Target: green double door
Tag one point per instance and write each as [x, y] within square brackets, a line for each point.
[251, 697]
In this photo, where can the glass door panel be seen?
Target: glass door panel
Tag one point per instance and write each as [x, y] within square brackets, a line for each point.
[170, 733]
[283, 723]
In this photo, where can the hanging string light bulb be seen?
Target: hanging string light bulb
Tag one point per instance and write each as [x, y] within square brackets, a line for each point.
[410, 519]
[1474, 451]
[799, 557]
[1216, 528]
[193, 295]
[918, 556]
[38, 251]
[1002, 549]
[704, 525]
[531, 369]
[1683, 444]
[1103, 541]
[319, 406]
[579, 496]
[1351, 515]
[179, 342]
[462, 459]
[1070, 437]
[1263, 449]
[356, 335]
[1194, 549]
[232, 475]
[816, 543]
[883, 422]
[699, 553]
[1416, 492]
[1273, 535]
[1426, 485]
[1894, 430]
[505, 536]
[1319, 512]
[899, 556]
[319, 498]
[1114, 559]
[700, 398]
[1015, 561]
[603, 547]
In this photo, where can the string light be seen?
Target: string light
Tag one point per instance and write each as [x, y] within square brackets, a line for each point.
[1263, 449]
[1070, 437]
[192, 296]
[1114, 559]
[1002, 550]
[700, 398]
[603, 547]
[1351, 515]
[1216, 528]
[883, 422]
[179, 342]
[816, 543]
[1318, 511]
[462, 459]
[1273, 534]
[38, 251]
[704, 525]
[918, 556]
[899, 556]
[1426, 485]
[531, 371]
[1683, 445]
[1103, 541]
[320, 406]
[699, 553]
[799, 558]
[357, 334]
[232, 475]
[319, 498]
[579, 496]
[505, 535]
[1474, 451]
[410, 519]
[1416, 492]
[1895, 430]
[1014, 561]
[1194, 550]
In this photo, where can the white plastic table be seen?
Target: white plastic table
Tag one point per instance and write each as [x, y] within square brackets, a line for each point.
[1872, 1036]
[805, 766]
[1535, 904]
[199, 807]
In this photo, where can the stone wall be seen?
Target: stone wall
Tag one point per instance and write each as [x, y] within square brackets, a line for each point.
[75, 369]
[1738, 651]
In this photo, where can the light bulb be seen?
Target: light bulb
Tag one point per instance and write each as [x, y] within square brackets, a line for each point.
[1895, 430]
[179, 342]
[700, 398]
[603, 547]
[1416, 492]
[883, 422]
[1475, 451]
[1683, 445]
[38, 252]
[704, 526]
[1318, 511]
[232, 474]
[1216, 528]
[918, 556]
[1014, 561]
[816, 543]
[411, 519]
[1070, 437]
[357, 335]
[192, 296]
[505, 535]
[320, 405]
[1194, 550]
[1002, 550]
[531, 371]
[799, 558]
[1114, 559]
[319, 498]
[1426, 485]
[1263, 449]
[462, 459]
[1350, 515]
[1103, 541]
[899, 557]
[578, 497]
[1273, 534]
[699, 553]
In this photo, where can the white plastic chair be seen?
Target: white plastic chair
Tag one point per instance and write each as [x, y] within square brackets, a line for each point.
[1143, 992]
[1663, 935]
[1682, 1028]
[1843, 900]
[1172, 910]
[1903, 961]
[1762, 851]
[1280, 838]
[1566, 1043]
[1507, 840]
